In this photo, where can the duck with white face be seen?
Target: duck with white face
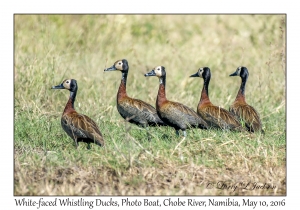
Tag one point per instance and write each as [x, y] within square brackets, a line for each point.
[214, 116]
[133, 110]
[243, 111]
[174, 114]
[79, 127]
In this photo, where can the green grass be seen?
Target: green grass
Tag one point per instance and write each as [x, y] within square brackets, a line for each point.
[50, 48]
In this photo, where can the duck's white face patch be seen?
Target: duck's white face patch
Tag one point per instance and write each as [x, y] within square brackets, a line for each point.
[238, 71]
[200, 72]
[158, 71]
[67, 83]
[119, 65]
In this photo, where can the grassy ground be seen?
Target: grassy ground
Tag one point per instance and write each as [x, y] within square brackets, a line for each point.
[50, 48]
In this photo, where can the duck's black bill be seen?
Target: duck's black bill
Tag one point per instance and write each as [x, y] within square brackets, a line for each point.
[233, 74]
[195, 75]
[58, 87]
[112, 68]
[151, 73]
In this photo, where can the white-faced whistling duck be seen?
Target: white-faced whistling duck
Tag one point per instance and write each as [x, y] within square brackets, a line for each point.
[172, 113]
[133, 110]
[215, 116]
[79, 127]
[240, 108]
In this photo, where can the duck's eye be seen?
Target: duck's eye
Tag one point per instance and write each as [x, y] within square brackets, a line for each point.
[67, 81]
[119, 63]
[158, 69]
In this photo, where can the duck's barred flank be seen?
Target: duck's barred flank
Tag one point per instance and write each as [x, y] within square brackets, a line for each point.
[79, 127]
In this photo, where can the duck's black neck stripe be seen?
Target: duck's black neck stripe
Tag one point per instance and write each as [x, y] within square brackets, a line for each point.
[162, 80]
[124, 77]
[205, 85]
[243, 85]
[73, 97]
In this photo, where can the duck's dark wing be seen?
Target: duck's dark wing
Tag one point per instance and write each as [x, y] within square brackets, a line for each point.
[139, 112]
[248, 114]
[177, 113]
[80, 126]
[220, 118]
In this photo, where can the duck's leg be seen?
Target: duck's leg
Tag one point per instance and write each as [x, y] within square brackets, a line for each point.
[148, 133]
[76, 142]
[184, 134]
